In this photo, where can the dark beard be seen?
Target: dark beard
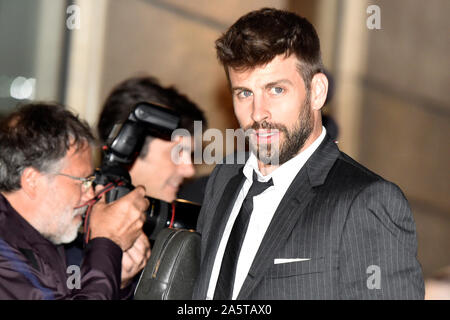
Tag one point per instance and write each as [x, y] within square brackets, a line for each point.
[292, 144]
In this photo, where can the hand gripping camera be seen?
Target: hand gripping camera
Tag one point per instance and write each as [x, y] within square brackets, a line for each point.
[125, 144]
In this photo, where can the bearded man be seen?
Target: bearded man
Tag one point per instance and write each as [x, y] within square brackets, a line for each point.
[46, 176]
[300, 219]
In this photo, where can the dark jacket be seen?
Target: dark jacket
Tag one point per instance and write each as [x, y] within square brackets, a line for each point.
[348, 233]
[31, 267]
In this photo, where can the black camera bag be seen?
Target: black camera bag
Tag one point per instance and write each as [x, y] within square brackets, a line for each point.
[172, 268]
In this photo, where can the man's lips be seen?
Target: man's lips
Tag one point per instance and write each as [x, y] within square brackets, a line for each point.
[174, 184]
[266, 136]
[79, 211]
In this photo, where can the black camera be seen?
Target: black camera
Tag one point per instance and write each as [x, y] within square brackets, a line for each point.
[122, 149]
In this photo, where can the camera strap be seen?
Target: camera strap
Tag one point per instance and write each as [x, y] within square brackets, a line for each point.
[90, 203]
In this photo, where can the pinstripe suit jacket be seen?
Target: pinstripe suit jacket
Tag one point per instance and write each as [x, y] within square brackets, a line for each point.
[355, 227]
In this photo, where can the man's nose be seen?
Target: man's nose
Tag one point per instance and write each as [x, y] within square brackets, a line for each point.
[260, 111]
[186, 169]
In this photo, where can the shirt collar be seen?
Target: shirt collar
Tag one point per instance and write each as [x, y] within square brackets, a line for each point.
[284, 174]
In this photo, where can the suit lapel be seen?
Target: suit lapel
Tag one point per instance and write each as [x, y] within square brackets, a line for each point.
[221, 216]
[291, 207]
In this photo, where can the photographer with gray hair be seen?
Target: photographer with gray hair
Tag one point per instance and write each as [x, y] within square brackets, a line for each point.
[45, 181]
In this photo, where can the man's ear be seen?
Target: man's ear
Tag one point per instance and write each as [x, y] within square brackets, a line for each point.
[29, 181]
[319, 89]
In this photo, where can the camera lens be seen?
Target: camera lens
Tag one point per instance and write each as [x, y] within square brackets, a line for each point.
[180, 214]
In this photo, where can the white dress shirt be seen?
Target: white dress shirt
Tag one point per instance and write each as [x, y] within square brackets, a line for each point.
[264, 207]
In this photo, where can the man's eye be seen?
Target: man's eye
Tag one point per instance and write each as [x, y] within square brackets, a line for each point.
[276, 90]
[244, 94]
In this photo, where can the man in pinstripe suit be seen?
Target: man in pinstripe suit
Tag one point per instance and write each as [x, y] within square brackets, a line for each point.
[322, 226]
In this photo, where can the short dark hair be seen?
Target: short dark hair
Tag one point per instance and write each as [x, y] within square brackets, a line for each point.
[37, 135]
[259, 36]
[128, 93]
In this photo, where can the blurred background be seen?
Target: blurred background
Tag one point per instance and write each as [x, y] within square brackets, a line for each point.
[390, 97]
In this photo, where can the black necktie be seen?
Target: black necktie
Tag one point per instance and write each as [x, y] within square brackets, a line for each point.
[225, 282]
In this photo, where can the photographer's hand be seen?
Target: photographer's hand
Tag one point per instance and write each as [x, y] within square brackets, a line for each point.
[135, 259]
[121, 220]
